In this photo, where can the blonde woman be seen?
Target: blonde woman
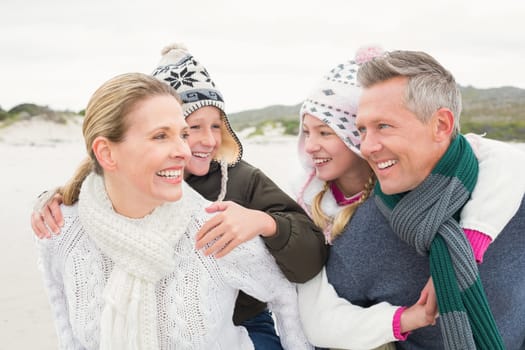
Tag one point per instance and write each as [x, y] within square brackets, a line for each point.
[249, 204]
[124, 273]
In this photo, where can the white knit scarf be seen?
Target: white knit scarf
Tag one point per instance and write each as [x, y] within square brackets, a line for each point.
[142, 251]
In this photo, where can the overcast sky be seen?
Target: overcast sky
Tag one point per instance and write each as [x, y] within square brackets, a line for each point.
[57, 52]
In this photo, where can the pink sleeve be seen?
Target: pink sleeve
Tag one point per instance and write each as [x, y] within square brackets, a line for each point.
[396, 324]
[479, 242]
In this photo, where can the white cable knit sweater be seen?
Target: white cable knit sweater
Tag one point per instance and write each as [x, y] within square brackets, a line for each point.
[195, 301]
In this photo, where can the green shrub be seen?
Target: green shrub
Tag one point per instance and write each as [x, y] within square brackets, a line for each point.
[291, 127]
[3, 115]
[31, 109]
[500, 130]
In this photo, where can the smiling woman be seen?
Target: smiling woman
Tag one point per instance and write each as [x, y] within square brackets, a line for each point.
[144, 170]
[123, 270]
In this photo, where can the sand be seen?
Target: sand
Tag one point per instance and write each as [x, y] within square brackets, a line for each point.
[35, 156]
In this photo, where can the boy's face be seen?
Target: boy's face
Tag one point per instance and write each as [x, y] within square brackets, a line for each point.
[204, 139]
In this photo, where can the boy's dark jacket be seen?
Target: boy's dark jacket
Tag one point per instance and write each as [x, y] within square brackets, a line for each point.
[298, 246]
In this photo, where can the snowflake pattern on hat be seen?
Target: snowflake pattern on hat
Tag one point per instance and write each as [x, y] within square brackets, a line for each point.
[193, 83]
[176, 79]
[196, 89]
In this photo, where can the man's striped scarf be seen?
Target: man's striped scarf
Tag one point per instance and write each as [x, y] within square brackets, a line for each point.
[427, 219]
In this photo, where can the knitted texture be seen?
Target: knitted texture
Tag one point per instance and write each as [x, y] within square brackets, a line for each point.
[479, 243]
[396, 324]
[142, 255]
[224, 180]
[193, 301]
[426, 218]
[334, 102]
[181, 70]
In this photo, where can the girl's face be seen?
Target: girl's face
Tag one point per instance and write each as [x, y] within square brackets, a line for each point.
[332, 159]
[149, 162]
[204, 139]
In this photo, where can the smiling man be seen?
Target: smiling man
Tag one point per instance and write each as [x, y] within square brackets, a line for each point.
[401, 149]
[408, 118]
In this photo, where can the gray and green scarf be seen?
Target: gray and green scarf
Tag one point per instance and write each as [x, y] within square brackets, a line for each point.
[427, 219]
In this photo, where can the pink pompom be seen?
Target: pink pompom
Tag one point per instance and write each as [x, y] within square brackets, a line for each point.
[366, 53]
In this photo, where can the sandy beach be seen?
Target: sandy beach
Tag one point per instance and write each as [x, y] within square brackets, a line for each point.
[38, 155]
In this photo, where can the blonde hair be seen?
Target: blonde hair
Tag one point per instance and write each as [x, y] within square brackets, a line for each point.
[337, 224]
[106, 116]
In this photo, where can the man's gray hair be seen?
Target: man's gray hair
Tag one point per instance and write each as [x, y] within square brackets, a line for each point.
[430, 86]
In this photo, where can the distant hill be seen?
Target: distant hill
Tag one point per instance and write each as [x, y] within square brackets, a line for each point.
[499, 112]
[26, 111]
[253, 117]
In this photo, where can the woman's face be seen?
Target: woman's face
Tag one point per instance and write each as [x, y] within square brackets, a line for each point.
[204, 139]
[150, 161]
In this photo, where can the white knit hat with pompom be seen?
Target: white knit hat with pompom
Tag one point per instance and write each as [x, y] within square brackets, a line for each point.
[334, 101]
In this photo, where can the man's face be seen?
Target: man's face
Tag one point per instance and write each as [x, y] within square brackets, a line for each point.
[401, 150]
